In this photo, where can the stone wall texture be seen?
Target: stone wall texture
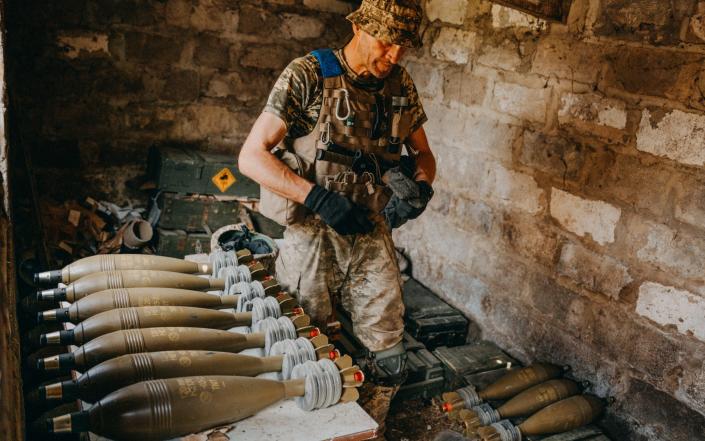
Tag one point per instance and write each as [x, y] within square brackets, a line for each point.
[568, 217]
[100, 81]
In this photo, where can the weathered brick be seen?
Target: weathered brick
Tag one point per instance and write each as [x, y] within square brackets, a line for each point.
[573, 313]
[503, 17]
[530, 238]
[661, 73]
[489, 181]
[695, 32]
[152, 48]
[522, 102]
[631, 180]
[559, 157]
[259, 21]
[478, 134]
[511, 188]
[582, 217]
[211, 51]
[594, 272]
[651, 20]
[669, 306]
[461, 86]
[692, 382]
[690, 201]
[669, 249]
[247, 86]
[448, 11]
[615, 332]
[301, 27]
[454, 45]
[590, 110]
[178, 13]
[201, 121]
[474, 216]
[266, 57]
[428, 79]
[676, 135]
[223, 85]
[655, 411]
[504, 56]
[84, 44]
[214, 18]
[559, 56]
[132, 12]
[181, 85]
[336, 6]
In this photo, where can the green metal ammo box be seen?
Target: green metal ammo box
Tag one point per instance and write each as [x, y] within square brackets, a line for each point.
[196, 212]
[178, 243]
[184, 170]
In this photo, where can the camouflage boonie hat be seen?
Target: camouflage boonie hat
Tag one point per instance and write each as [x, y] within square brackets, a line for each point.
[392, 21]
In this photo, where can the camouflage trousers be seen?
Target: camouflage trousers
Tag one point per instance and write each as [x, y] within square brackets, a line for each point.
[317, 264]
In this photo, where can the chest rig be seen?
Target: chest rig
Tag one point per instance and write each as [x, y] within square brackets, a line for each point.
[358, 135]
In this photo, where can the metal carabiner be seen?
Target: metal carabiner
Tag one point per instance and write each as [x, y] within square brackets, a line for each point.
[347, 106]
[325, 133]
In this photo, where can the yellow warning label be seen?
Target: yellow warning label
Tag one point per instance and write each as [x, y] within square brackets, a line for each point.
[224, 179]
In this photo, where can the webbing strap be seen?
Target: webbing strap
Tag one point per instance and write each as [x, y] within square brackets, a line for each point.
[330, 66]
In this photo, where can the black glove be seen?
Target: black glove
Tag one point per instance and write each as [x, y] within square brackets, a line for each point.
[338, 212]
[399, 210]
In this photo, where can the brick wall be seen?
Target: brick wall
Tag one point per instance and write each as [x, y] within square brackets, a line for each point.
[570, 203]
[569, 214]
[99, 81]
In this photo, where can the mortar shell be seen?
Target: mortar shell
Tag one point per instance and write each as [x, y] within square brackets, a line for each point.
[109, 299]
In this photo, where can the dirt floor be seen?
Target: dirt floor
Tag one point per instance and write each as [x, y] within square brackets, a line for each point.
[417, 420]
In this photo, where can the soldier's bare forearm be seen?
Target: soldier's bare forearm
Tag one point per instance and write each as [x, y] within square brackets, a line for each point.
[258, 163]
[425, 162]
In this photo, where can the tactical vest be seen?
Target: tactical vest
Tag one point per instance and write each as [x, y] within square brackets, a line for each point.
[358, 135]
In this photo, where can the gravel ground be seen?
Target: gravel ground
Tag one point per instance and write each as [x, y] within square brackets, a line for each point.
[417, 420]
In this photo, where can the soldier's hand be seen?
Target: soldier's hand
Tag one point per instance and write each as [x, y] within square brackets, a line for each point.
[338, 212]
[399, 209]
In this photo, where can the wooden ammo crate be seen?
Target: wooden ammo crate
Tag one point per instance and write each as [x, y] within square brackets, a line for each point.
[184, 170]
[196, 212]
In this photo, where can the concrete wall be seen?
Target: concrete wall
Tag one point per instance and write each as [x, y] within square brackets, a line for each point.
[99, 81]
[569, 213]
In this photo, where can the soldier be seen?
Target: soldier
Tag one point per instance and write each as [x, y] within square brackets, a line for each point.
[328, 153]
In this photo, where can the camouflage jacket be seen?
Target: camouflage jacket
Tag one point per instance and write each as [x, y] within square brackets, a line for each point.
[297, 95]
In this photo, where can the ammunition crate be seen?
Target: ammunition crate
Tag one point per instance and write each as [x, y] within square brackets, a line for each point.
[184, 170]
[478, 364]
[425, 372]
[196, 212]
[430, 319]
[179, 243]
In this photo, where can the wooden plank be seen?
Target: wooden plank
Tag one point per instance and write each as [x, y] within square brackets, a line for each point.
[11, 405]
[555, 10]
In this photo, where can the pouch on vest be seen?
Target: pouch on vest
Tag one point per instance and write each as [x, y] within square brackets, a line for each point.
[278, 208]
[360, 189]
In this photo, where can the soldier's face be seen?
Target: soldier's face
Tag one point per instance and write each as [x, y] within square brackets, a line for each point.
[380, 57]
